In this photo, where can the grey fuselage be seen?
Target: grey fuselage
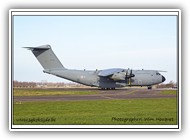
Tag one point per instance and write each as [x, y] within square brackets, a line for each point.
[91, 78]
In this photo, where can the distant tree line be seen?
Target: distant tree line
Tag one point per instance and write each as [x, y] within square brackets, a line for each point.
[171, 84]
[19, 84]
[24, 84]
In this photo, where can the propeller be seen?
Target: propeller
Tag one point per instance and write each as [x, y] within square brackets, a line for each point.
[130, 75]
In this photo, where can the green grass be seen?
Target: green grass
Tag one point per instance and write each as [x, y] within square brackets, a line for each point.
[132, 111]
[40, 92]
[169, 92]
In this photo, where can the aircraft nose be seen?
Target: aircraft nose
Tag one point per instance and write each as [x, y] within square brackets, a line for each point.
[163, 78]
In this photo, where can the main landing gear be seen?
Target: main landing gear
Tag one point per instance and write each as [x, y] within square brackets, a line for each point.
[107, 88]
[149, 87]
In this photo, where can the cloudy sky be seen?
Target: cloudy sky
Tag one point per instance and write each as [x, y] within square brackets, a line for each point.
[96, 42]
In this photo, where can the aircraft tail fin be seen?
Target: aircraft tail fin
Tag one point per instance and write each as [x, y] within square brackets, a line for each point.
[46, 57]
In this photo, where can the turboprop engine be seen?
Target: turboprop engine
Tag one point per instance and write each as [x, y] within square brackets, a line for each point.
[118, 76]
[123, 75]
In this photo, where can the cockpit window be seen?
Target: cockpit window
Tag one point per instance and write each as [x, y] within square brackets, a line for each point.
[157, 73]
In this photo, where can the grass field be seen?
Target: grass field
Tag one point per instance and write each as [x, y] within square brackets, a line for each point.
[44, 92]
[132, 111]
[169, 92]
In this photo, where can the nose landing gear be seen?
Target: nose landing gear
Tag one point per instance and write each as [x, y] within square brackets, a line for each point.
[149, 87]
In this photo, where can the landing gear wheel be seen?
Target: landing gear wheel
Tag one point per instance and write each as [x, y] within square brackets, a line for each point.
[149, 87]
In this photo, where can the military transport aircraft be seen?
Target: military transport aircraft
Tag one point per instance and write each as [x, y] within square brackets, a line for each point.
[104, 79]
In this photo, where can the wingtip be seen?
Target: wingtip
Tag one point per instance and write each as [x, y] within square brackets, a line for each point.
[161, 71]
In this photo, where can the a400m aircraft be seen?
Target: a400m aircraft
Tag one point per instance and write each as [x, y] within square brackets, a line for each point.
[104, 79]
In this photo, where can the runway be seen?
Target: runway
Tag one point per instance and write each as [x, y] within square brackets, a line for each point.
[117, 94]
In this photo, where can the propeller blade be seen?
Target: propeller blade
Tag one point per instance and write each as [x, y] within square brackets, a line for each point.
[131, 74]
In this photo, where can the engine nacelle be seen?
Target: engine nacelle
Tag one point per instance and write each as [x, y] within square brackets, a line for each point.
[118, 76]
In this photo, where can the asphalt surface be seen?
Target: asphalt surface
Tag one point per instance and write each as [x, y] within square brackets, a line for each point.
[100, 95]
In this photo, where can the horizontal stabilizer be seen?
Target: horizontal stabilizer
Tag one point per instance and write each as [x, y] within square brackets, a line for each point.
[108, 72]
[43, 47]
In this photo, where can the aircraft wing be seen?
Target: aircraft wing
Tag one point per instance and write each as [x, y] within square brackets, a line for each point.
[109, 72]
